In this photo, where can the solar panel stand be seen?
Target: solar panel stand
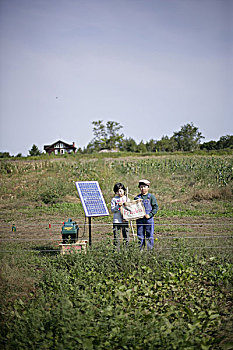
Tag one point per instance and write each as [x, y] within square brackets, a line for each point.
[92, 201]
[89, 224]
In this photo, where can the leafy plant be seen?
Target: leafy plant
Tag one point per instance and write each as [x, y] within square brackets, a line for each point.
[109, 300]
[53, 191]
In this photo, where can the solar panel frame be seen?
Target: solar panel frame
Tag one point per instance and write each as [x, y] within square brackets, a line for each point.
[92, 198]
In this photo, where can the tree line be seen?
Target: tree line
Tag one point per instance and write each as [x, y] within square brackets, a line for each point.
[108, 137]
[188, 138]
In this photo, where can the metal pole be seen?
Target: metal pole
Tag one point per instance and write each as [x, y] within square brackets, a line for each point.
[89, 224]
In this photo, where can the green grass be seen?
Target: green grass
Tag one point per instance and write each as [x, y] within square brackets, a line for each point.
[177, 297]
[125, 300]
[226, 212]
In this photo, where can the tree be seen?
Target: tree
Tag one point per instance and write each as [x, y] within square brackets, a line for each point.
[114, 138]
[100, 134]
[141, 148]
[128, 145]
[105, 136]
[188, 138]
[211, 145]
[5, 155]
[225, 142]
[166, 144]
[151, 146]
[34, 151]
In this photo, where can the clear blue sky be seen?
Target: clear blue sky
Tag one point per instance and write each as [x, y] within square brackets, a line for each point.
[151, 65]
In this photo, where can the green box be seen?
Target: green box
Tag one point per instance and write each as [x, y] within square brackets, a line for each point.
[69, 232]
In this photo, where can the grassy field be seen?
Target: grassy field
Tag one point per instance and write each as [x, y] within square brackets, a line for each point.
[177, 296]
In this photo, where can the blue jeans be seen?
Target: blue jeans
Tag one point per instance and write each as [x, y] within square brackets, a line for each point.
[145, 232]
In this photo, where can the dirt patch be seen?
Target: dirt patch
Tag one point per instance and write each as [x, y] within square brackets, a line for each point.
[49, 231]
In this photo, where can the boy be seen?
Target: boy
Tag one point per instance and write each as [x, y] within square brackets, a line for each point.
[145, 226]
[118, 223]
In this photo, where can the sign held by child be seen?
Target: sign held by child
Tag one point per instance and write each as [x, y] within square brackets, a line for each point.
[133, 210]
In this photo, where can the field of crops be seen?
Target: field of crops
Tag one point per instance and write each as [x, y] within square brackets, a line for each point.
[178, 296]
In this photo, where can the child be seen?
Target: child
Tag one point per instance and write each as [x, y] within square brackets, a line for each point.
[118, 223]
[145, 226]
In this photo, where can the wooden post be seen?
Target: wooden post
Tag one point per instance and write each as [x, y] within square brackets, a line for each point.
[131, 224]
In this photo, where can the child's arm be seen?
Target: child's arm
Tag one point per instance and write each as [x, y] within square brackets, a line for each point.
[114, 206]
[154, 209]
[154, 205]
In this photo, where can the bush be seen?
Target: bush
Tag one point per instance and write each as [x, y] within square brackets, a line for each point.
[126, 300]
[53, 191]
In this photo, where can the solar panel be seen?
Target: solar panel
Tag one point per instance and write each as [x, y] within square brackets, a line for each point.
[92, 199]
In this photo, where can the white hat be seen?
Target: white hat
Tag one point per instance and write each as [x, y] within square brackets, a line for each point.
[145, 182]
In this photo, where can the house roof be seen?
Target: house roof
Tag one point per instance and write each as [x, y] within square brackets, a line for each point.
[60, 141]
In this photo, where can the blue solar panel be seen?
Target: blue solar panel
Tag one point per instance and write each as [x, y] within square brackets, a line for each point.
[91, 198]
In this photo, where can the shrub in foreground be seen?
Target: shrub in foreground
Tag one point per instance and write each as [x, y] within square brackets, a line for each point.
[124, 300]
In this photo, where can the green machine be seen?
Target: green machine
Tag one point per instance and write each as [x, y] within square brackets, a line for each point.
[69, 232]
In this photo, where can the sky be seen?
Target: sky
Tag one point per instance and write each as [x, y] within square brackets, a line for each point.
[150, 65]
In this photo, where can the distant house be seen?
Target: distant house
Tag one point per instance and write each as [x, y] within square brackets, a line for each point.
[60, 147]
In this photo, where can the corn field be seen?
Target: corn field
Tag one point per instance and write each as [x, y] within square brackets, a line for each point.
[206, 169]
[219, 170]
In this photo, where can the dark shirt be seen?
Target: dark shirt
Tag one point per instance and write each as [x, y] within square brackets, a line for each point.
[153, 203]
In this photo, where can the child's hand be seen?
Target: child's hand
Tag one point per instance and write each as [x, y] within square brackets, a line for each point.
[147, 216]
[120, 204]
